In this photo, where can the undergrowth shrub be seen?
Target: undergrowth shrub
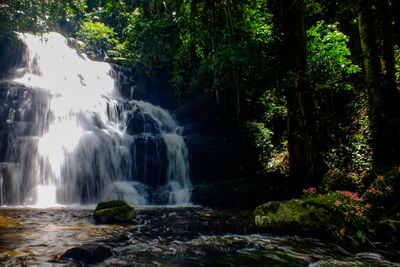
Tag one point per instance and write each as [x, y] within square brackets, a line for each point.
[363, 203]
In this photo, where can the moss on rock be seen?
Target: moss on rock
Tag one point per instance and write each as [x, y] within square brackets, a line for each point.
[296, 215]
[114, 211]
[111, 204]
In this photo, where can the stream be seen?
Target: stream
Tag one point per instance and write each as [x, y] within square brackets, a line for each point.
[169, 236]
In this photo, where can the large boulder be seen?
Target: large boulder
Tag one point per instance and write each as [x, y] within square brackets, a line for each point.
[88, 254]
[114, 211]
[295, 216]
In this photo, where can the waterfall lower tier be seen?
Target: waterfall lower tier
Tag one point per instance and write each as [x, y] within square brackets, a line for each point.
[67, 136]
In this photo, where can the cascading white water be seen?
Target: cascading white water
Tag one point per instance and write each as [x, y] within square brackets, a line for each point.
[72, 137]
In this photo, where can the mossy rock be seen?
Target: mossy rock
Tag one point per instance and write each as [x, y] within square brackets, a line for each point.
[295, 216]
[111, 204]
[114, 211]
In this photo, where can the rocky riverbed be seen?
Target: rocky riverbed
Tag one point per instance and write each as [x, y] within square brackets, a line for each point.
[169, 236]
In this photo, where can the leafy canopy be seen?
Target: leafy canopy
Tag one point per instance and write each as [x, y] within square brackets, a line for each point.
[329, 57]
[97, 39]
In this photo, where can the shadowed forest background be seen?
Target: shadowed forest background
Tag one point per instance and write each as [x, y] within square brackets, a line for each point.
[277, 98]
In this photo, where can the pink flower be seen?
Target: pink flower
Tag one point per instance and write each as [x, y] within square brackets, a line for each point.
[337, 203]
[373, 191]
[350, 195]
[346, 213]
[388, 188]
[368, 206]
[359, 213]
[380, 178]
[310, 190]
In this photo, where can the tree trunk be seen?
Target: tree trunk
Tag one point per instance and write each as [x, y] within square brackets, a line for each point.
[305, 161]
[388, 65]
[383, 96]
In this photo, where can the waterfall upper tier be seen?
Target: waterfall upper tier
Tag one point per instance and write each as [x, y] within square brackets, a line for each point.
[67, 135]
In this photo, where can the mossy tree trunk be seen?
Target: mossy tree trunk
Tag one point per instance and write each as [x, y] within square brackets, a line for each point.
[305, 161]
[383, 95]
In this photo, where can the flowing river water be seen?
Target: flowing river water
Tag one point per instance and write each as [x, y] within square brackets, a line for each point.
[169, 236]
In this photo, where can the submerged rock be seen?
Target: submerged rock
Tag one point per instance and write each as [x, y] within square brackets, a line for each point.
[114, 211]
[294, 215]
[88, 254]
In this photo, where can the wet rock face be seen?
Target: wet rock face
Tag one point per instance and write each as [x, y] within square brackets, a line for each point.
[150, 160]
[11, 54]
[140, 122]
[88, 254]
[114, 211]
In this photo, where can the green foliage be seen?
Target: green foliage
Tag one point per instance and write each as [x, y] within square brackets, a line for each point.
[397, 62]
[274, 117]
[150, 41]
[352, 152]
[314, 7]
[21, 15]
[40, 15]
[260, 26]
[261, 136]
[256, 140]
[361, 151]
[329, 57]
[332, 74]
[274, 107]
[382, 192]
[223, 53]
[97, 39]
[340, 180]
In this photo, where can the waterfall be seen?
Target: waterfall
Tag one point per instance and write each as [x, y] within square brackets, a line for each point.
[68, 136]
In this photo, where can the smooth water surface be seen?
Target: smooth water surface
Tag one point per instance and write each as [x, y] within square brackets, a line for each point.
[168, 236]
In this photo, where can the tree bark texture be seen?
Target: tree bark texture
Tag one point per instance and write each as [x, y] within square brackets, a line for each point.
[383, 96]
[305, 161]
